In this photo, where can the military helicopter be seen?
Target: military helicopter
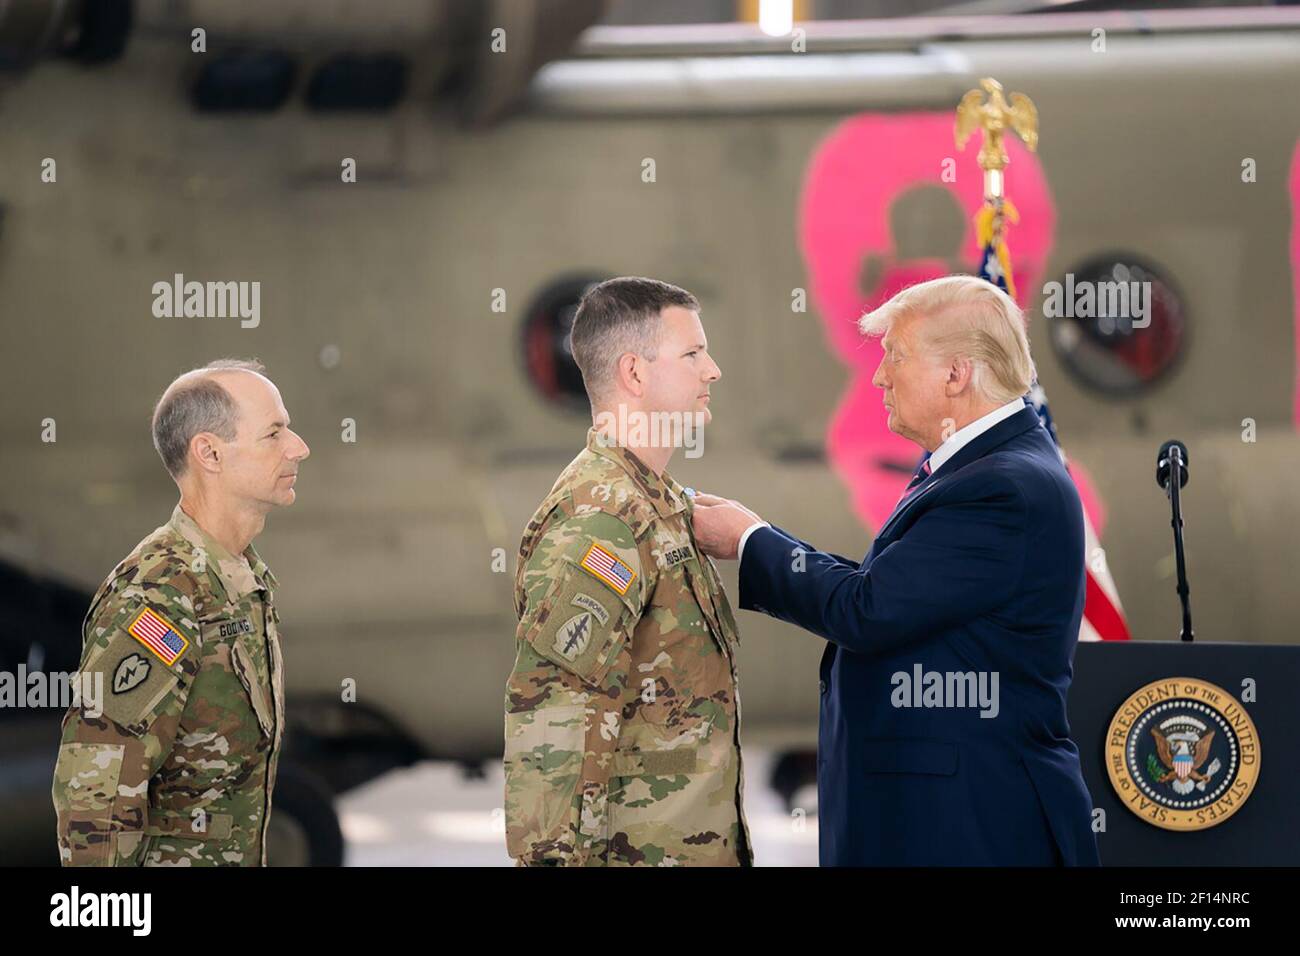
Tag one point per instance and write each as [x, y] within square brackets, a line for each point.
[423, 191]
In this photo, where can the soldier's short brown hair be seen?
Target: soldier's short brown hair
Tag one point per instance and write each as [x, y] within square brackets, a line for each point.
[196, 402]
[616, 317]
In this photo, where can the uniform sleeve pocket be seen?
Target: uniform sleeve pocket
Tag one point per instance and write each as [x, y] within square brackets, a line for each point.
[85, 791]
[582, 624]
[136, 684]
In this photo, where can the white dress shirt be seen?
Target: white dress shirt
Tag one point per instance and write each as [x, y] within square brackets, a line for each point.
[964, 436]
[953, 444]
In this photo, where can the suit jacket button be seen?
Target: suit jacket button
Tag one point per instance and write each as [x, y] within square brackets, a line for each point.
[821, 686]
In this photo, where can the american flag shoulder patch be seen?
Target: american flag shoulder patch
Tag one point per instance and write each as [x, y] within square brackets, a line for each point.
[604, 566]
[159, 635]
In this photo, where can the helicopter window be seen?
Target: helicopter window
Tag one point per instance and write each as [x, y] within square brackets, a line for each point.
[370, 83]
[244, 81]
[547, 358]
[1117, 324]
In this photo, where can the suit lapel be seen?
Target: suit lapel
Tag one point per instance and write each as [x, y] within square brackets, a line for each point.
[934, 481]
[976, 448]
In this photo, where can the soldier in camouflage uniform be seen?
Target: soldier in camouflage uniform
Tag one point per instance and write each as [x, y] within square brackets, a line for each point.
[623, 712]
[179, 768]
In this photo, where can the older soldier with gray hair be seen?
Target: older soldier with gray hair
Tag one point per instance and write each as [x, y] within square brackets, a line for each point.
[178, 770]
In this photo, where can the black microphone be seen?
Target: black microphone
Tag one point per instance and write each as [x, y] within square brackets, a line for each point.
[1173, 453]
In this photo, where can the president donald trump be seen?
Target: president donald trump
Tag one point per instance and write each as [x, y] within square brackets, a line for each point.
[943, 737]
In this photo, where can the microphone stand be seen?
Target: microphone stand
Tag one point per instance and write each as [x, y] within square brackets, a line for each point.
[1176, 467]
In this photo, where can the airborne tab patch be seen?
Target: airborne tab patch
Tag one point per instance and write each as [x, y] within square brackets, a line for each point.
[159, 635]
[589, 603]
[607, 568]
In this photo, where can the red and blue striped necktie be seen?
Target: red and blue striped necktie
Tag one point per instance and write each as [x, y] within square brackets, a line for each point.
[922, 473]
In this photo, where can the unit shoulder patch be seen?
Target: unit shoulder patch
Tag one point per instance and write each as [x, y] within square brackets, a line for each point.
[573, 636]
[130, 673]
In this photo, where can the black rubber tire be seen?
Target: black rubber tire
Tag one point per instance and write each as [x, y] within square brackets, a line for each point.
[310, 805]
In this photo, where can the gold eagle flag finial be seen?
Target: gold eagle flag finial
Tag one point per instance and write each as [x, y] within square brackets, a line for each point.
[994, 116]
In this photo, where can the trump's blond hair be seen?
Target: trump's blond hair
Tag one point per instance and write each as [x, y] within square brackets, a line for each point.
[965, 317]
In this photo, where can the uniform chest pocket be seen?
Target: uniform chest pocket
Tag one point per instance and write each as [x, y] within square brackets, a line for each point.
[685, 587]
[241, 662]
[721, 604]
[689, 596]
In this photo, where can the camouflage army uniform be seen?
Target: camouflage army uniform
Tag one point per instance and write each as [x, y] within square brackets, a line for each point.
[179, 768]
[622, 713]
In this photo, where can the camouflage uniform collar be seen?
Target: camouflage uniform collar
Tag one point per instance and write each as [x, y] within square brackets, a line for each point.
[663, 491]
[239, 576]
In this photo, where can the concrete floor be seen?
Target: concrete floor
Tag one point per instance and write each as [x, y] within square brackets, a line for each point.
[432, 815]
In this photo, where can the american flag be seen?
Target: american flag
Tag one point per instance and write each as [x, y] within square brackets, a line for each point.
[156, 633]
[608, 568]
[1103, 616]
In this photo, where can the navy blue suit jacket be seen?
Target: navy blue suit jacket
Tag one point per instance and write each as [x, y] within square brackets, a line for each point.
[979, 571]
